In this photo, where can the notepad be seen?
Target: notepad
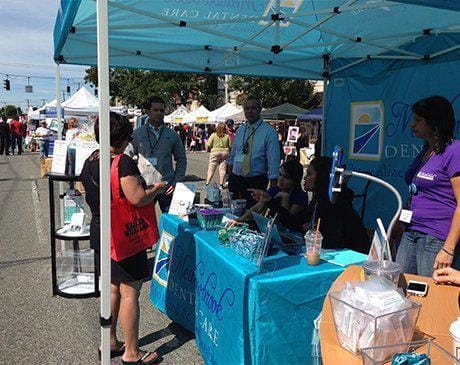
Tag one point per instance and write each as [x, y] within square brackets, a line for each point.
[343, 257]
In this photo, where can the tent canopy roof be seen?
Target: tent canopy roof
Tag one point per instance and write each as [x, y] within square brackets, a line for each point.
[283, 111]
[253, 37]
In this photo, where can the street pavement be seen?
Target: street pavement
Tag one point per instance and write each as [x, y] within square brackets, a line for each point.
[39, 328]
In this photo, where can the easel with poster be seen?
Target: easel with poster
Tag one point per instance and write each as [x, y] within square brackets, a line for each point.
[289, 147]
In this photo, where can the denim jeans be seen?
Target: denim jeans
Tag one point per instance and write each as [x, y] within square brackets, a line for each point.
[44, 148]
[417, 252]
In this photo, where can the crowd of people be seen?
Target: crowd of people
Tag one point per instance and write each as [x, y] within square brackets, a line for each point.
[12, 134]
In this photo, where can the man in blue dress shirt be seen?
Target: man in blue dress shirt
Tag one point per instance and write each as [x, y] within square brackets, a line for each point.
[255, 156]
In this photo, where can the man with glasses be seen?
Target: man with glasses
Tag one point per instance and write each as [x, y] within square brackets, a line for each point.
[255, 156]
[155, 146]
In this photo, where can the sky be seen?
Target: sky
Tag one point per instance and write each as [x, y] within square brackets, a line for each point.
[26, 33]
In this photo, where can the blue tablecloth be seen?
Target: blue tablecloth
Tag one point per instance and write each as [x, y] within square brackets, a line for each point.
[173, 281]
[246, 317]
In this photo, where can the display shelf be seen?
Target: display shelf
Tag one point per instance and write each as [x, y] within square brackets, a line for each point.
[73, 270]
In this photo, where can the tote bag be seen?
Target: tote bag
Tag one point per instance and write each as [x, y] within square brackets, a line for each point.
[133, 228]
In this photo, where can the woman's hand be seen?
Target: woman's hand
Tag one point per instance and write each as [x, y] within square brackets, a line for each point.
[260, 195]
[442, 260]
[447, 275]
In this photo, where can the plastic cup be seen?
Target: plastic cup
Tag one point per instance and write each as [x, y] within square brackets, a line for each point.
[238, 207]
[313, 245]
[455, 333]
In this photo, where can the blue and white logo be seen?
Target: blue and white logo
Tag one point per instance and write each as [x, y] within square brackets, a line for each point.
[163, 258]
[366, 130]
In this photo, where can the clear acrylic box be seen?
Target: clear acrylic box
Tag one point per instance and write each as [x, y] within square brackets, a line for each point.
[357, 329]
[437, 354]
[75, 271]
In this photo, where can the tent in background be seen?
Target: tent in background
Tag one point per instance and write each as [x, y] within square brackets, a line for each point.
[314, 114]
[223, 113]
[81, 102]
[177, 116]
[282, 112]
[199, 115]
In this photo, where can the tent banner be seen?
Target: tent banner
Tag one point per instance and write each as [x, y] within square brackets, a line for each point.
[369, 114]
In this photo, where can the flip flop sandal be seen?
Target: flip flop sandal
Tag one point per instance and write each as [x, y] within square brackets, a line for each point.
[141, 360]
[114, 353]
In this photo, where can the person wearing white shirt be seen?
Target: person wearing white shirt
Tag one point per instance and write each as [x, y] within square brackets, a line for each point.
[43, 133]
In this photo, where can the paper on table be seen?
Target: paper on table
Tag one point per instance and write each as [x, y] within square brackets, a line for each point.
[183, 197]
[342, 257]
[59, 157]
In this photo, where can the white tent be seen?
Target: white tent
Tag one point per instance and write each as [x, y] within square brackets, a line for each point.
[177, 116]
[238, 117]
[224, 112]
[81, 103]
[200, 115]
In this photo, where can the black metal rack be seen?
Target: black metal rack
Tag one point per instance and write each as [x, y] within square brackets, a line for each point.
[53, 177]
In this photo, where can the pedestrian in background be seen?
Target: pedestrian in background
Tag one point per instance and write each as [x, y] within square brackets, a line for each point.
[16, 129]
[219, 144]
[5, 137]
[43, 133]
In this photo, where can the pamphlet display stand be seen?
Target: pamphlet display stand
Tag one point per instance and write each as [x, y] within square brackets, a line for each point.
[73, 267]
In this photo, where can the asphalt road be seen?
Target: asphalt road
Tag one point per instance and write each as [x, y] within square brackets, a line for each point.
[38, 328]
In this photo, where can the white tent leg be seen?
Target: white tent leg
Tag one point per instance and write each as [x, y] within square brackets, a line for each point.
[104, 168]
[59, 125]
[323, 122]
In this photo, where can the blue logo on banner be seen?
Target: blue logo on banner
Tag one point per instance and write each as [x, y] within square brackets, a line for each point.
[161, 268]
[366, 130]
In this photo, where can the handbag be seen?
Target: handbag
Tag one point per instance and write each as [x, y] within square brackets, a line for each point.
[133, 229]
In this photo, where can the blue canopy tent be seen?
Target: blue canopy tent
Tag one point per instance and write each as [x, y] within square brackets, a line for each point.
[307, 39]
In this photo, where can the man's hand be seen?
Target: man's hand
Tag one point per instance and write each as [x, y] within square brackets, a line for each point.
[447, 275]
[260, 195]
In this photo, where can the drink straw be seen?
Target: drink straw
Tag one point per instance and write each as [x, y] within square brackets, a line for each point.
[316, 235]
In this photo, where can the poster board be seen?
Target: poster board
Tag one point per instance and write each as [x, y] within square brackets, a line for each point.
[293, 134]
[59, 157]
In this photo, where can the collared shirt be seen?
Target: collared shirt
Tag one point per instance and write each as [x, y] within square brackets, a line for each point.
[157, 131]
[265, 152]
[155, 154]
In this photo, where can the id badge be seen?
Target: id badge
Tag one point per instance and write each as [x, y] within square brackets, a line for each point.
[239, 158]
[153, 161]
[406, 216]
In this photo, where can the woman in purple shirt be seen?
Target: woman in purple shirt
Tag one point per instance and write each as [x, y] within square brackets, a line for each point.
[431, 236]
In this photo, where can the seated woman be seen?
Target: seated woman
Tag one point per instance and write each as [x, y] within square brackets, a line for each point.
[287, 196]
[341, 225]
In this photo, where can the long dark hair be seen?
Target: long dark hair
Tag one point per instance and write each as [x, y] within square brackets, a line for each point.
[293, 170]
[439, 115]
[322, 166]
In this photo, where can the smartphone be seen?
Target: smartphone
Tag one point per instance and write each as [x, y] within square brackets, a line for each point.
[418, 288]
[335, 178]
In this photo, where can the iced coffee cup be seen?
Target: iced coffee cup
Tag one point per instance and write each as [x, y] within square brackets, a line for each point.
[313, 242]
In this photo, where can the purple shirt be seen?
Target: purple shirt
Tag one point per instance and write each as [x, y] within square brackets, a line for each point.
[298, 196]
[434, 204]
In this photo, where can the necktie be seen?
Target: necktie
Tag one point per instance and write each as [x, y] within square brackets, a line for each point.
[247, 156]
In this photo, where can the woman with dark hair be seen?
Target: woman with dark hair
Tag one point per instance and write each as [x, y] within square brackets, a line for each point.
[286, 196]
[341, 225]
[219, 145]
[129, 273]
[432, 234]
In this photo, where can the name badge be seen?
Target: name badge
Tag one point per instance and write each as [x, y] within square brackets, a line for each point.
[152, 161]
[406, 216]
[239, 158]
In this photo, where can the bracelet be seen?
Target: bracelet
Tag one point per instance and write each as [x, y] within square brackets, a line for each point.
[447, 252]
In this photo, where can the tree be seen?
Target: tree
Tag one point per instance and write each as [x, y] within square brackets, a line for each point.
[134, 87]
[274, 92]
[10, 111]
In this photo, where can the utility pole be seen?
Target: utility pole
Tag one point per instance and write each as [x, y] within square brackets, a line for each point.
[28, 104]
[226, 88]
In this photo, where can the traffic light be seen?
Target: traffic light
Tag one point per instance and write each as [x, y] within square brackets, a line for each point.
[95, 91]
[68, 89]
[6, 84]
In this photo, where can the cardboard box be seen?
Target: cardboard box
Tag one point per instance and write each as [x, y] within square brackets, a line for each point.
[45, 165]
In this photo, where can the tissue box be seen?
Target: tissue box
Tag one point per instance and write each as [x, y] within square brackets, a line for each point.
[357, 329]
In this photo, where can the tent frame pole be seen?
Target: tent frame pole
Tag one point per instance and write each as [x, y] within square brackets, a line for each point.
[104, 168]
[59, 126]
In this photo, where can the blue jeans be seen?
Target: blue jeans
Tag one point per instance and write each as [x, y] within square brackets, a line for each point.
[417, 252]
[44, 148]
